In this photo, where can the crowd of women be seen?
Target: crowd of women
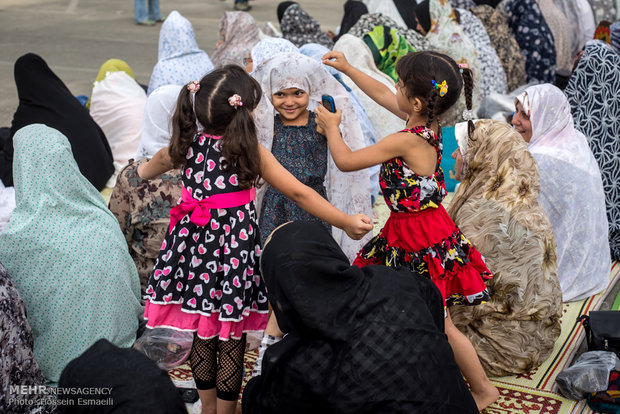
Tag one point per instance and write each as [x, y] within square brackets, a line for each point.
[538, 199]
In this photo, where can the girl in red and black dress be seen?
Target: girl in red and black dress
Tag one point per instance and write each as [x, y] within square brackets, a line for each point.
[419, 233]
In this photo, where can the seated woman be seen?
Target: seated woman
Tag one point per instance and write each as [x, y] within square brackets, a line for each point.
[179, 59]
[357, 340]
[571, 190]
[18, 364]
[496, 207]
[592, 92]
[117, 105]
[142, 207]
[238, 35]
[44, 99]
[66, 254]
[299, 27]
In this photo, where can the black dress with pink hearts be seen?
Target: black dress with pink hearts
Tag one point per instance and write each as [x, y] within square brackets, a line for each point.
[207, 278]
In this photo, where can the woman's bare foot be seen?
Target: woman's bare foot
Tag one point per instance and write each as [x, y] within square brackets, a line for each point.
[486, 396]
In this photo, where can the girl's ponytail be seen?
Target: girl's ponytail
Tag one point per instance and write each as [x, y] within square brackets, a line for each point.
[468, 86]
[240, 147]
[184, 127]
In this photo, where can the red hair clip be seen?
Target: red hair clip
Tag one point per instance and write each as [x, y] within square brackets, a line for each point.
[235, 101]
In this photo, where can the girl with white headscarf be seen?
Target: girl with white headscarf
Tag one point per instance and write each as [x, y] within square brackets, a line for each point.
[142, 207]
[117, 105]
[179, 59]
[571, 190]
[316, 52]
[302, 149]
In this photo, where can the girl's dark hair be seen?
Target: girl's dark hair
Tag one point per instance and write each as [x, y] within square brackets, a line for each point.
[239, 142]
[417, 70]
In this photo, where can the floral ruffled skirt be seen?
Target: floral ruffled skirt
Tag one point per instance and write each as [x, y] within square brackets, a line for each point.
[431, 245]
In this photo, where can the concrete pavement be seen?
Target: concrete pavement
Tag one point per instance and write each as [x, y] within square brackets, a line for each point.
[76, 36]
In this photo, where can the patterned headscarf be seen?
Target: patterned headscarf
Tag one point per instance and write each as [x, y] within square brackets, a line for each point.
[571, 193]
[83, 285]
[368, 22]
[269, 47]
[497, 206]
[387, 46]
[492, 76]
[604, 10]
[180, 60]
[593, 94]
[505, 45]
[614, 30]
[240, 35]
[349, 192]
[301, 28]
[534, 37]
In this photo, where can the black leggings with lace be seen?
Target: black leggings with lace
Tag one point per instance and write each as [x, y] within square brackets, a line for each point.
[218, 364]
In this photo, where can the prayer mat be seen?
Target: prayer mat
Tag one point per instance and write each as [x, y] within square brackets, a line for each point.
[535, 392]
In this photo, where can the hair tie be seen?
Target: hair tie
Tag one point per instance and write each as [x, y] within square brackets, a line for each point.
[468, 115]
[193, 86]
[463, 66]
[441, 87]
[235, 101]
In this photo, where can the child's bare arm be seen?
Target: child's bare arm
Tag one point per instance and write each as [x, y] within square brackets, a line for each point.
[159, 164]
[377, 91]
[356, 226]
[347, 160]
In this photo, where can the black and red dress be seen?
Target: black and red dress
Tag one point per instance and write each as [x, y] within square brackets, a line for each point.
[420, 235]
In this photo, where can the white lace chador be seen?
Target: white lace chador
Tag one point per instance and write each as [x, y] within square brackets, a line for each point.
[571, 193]
[349, 192]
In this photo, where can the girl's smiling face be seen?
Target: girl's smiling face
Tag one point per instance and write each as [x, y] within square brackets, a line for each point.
[292, 105]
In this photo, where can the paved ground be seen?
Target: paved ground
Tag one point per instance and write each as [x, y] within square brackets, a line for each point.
[76, 36]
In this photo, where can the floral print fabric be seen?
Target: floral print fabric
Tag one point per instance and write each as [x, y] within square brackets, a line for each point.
[492, 76]
[534, 38]
[179, 59]
[240, 35]
[504, 43]
[18, 364]
[303, 152]
[420, 236]
[592, 92]
[496, 206]
[142, 208]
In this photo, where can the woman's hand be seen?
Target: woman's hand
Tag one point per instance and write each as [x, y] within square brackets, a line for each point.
[327, 121]
[336, 60]
[357, 226]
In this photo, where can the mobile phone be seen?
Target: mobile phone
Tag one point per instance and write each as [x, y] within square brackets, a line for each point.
[189, 395]
[328, 102]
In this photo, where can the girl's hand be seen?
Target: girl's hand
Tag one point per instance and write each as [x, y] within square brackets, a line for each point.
[326, 120]
[336, 60]
[357, 226]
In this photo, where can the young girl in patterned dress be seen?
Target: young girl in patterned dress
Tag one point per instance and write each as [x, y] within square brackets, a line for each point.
[206, 278]
[419, 233]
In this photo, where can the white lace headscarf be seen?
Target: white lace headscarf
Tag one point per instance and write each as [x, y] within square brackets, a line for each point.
[240, 34]
[349, 192]
[157, 120]
[571, 192]
[267, 48]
